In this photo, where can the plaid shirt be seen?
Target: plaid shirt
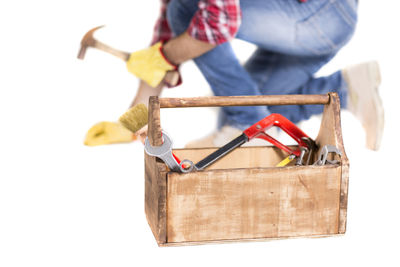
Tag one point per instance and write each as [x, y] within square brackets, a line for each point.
[215, 22]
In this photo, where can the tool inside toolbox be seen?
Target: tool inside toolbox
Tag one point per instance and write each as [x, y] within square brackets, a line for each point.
[302, 154]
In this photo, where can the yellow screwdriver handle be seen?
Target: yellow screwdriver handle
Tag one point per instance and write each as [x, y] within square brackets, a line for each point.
[286, 161]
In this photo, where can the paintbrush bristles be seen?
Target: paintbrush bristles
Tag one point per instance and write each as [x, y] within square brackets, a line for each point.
[135, 118]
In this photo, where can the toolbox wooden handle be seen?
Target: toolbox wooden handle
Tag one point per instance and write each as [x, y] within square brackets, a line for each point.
[260, 100]
[155, 103]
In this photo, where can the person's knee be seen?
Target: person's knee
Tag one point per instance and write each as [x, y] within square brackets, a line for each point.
[179, 15]
[328, 30]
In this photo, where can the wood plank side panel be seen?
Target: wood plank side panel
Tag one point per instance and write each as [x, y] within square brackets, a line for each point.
[155, 198]
[331, 134]
[253, 203]
[155, 177]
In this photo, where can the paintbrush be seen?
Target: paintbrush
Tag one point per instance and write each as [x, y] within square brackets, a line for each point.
[135, 118]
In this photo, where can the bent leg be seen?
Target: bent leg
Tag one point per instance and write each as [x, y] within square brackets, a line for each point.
[294, 41]
[277, 74]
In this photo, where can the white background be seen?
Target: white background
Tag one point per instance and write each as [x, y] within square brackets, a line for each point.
[64, 204]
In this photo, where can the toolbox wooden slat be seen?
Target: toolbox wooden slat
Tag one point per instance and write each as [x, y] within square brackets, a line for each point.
[243, 196]
[252, 203]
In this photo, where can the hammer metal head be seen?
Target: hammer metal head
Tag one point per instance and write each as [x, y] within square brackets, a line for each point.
[88, 41]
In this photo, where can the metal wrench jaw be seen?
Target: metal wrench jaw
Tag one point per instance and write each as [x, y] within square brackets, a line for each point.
[323, 155]
[163, 152]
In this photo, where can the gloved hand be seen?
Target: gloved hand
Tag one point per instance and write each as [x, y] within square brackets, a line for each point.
[106, 132]
[150, 65]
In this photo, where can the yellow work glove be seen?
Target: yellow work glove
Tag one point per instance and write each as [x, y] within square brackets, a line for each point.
[106, 132]
[150, 65]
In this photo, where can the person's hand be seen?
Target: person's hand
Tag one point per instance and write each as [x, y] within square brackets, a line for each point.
[141, 134]
[150, 65]
[106, 132]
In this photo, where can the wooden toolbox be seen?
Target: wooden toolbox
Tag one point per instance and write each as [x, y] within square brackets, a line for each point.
[243, 196]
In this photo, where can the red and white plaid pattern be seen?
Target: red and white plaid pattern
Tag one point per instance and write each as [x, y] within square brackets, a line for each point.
[215, 22]
[162, 31]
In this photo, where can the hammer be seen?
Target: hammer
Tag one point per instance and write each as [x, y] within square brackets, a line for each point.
[171, 77]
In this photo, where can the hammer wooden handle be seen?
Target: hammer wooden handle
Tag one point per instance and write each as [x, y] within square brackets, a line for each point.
[172, 77]
[260, 100]
[108, 49]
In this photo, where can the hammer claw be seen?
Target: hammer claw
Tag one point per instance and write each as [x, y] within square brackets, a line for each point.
[88, 41]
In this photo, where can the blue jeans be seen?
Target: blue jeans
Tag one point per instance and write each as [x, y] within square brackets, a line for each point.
[294, 40]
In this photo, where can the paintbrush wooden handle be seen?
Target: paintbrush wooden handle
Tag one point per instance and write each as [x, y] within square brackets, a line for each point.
[171, 77]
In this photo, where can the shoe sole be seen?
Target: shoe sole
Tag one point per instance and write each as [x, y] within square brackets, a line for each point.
[374, 69]
[374, 74]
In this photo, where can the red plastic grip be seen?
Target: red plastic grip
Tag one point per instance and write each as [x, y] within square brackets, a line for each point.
[258, 129]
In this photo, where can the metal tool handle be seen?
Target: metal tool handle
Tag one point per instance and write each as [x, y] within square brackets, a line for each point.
[221, 152]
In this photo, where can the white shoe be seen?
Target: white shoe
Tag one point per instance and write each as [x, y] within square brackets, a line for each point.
[226, 134]
[363, 100]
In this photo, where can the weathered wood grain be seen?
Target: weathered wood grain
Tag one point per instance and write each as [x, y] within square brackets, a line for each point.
[154, 128]
[253, 203]
[155, 197]
[155, 178]
[331, 134]
[219, 101]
